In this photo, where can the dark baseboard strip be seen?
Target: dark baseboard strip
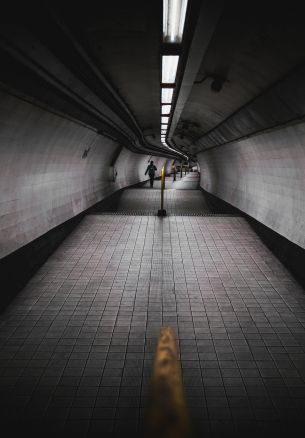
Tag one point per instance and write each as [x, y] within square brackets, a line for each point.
[17, 268]
[219, 205]
[291, 255]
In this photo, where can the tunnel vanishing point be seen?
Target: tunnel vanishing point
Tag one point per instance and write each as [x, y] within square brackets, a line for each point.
[92, 279]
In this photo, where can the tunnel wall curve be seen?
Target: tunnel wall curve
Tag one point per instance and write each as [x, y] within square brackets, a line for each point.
[53, 168]
[264, 176]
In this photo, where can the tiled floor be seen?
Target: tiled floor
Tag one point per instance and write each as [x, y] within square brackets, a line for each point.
[180, 198]
[77, 343]
[147, 201]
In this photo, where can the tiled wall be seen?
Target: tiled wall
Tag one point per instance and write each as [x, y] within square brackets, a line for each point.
[263, 176]
[45, 179]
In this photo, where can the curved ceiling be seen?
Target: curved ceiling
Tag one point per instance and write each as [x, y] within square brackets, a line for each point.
[253, 46]
[106, 58]
[124, 39]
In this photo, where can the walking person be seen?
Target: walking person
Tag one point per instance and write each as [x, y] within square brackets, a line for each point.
[151, 170]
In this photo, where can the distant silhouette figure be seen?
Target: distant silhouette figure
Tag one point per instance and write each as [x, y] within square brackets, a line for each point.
[151, 170]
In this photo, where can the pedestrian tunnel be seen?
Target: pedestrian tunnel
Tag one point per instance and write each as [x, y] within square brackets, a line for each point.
[94, 284]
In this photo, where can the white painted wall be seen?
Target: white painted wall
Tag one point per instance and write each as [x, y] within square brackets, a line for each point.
[263, 176]
[44, 180]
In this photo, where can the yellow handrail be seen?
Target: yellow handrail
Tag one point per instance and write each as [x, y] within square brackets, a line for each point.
[162, 187]
[168, 415]
[162, 211]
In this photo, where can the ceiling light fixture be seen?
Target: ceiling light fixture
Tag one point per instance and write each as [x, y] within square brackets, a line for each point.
[166, 95]
[165, 109]
[169, 68]
[174, 12]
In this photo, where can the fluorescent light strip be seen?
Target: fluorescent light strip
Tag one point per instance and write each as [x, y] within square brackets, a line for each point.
[169, 68]
[165, 109]
[173, 20]
[165, 18]
[166, 95]
[174, 12]
[182, 19]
